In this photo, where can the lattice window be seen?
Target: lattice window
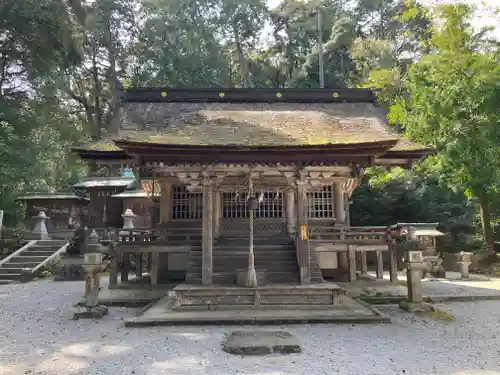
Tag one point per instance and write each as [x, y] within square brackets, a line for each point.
[235, 205]
[185, 204]
[320, 203]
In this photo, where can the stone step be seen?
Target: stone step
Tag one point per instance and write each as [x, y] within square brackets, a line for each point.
[7, 281]
[17, 266]
[230, 279]
[49, 243]
[27, 258]
[9, 270]
[36, 253]
[9, 277]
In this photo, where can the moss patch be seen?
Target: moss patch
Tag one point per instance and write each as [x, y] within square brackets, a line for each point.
[442, 315]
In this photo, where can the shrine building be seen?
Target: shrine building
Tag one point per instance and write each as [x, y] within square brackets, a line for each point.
[199, 156]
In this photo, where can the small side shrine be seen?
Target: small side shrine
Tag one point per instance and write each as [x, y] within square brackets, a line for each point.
[141, 203]
[63, 208]
[103, 210]
[426, 233]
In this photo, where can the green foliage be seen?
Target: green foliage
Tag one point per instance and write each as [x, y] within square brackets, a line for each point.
[452, 104]
[63, 61]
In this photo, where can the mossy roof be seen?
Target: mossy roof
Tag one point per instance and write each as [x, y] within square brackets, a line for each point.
[252, 124]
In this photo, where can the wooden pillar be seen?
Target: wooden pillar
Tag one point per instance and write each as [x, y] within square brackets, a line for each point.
[138, 264]
[338, 203]
[380, 265]
[364, 263]
[113, 267]
[393, 261]
[155, 260]
[217, 211]
[125, 267]
[207, 233]
[165, 202]
[290, 212]
[302, 234]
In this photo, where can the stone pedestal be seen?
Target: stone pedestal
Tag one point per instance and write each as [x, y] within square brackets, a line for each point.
[464, 269]
[464, 261]
[71, 269]
[40, 231]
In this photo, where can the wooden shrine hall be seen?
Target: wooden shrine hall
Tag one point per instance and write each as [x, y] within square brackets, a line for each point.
[232, 180]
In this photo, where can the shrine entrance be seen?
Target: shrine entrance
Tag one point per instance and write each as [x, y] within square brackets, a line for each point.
[270, 205]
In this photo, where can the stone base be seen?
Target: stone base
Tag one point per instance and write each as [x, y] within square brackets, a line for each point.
[416, 307]
[96, 312]
[261, 343]
[274, 304]
[70, 272]
[26, 275]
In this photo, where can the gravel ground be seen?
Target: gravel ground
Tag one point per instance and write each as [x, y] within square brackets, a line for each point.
[37, 337]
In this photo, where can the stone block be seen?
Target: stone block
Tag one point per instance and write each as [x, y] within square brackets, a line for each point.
[415, 307]
[70, 272]
[261, 343]
[96, 312]
[26, 275]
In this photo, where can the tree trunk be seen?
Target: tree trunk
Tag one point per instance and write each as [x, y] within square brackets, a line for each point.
[245, 73]
[486, 221]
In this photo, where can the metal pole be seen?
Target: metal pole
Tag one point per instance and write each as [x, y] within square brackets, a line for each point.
[320, 51]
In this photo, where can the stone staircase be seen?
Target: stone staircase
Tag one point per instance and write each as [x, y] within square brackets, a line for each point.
[275, 253]
[25, 261]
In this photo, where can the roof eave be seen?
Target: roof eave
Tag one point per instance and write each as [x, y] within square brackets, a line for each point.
[87, 154]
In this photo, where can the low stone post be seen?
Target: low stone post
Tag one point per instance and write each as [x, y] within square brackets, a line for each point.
[90, 308]
[40, 231]
[464, 261]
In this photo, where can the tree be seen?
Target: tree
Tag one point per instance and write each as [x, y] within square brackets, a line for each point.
[452, 104]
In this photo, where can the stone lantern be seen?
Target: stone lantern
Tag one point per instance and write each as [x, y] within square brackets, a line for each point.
[414, 267]
[90, 308]
[40, 231]
[128, 225]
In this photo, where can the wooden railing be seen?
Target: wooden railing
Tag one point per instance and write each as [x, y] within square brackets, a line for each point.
[349, 235]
